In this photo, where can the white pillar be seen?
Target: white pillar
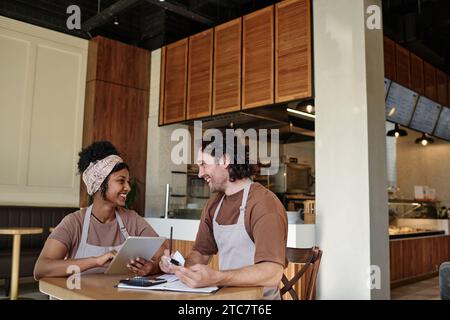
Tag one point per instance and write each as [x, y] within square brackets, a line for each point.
[351, 179]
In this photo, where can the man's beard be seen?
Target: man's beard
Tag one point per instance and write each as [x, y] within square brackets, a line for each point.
[218, 186]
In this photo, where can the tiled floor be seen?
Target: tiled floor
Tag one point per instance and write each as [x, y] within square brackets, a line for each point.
[423, 290]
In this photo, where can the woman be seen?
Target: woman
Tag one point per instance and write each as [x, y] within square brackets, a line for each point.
[89, 238]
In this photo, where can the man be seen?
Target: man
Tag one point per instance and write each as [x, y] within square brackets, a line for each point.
[243, 222]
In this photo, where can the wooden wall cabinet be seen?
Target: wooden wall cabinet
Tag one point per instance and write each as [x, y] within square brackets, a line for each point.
[403, 66]
[293, 70]
[441, 84]
[175, 82]
[227, 67]
[390, 69]
[417, 83]
[199, 93]
[429, 74]
[258, 58]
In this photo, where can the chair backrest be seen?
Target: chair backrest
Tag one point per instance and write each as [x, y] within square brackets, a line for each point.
[310, 258]
[444, 280]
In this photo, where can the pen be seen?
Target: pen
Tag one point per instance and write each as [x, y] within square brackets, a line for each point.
[170, 243]
[173, 261]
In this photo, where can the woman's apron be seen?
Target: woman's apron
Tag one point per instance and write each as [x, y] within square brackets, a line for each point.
[86, 250]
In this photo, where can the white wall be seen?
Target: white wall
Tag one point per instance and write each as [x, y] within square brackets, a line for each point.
[418, 165]
[42, 86]
[351, 178]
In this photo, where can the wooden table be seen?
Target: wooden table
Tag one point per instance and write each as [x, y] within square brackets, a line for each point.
[17, 234]
[101, 287]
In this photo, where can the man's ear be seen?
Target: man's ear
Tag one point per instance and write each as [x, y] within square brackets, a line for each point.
[225, 160]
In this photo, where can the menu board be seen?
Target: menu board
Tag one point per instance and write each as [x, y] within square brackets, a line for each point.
[443, 127]
[400, 104]
[387, 83]
[425, 115]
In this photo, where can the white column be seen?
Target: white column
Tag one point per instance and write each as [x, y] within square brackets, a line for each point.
[351, 179]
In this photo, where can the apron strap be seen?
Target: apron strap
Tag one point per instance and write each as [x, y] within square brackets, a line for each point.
[122, 228]
[85, 230]
[243, 203]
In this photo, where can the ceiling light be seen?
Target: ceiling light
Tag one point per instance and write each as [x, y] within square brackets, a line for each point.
[397, 132]
[305, 114]
[424, 140]
[116, 22]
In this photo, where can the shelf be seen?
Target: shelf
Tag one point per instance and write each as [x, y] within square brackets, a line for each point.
[178, 195]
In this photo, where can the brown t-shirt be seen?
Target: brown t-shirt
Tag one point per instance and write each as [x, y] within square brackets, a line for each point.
[265, 221]
[107, 234]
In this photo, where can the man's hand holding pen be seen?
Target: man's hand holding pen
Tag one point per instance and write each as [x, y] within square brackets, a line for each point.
[166, 263]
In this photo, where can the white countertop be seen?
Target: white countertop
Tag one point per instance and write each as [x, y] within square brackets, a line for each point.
[299, 235]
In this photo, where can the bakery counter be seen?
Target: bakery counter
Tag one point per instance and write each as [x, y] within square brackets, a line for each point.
[299, 235]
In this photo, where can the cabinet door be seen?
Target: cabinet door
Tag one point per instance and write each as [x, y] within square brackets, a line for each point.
[441, 82]
[448, 91]
[258, 55]
[396, 260]
[429, 73]
[175, 82]
[200, 75]
[227, 67]
[403, 66]
[417, 74]
[390, 69]
[293, 75]
[161, 84]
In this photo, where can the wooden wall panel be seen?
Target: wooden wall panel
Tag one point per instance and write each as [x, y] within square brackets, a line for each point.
[200, 73]
[416, 258]
[396, 260]
[390, 69]
[258, 58]
[175, 82]
[403, 66]
[441, 84]
[293, 69]
[121, 63]
[417, 83]
[429, 73]
[162, 82]
[117, 105]
[185, 247]
[121, 117]
[227, 67]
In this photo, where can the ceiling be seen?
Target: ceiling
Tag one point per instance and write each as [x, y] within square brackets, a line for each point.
[423, 26]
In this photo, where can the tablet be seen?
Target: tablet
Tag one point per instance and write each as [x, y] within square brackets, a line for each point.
[133, 247]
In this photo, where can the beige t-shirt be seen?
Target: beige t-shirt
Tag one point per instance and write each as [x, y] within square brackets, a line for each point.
[107, 234]
[265, 221]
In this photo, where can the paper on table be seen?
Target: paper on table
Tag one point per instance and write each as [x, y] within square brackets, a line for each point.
[176, 285]
[179, 257]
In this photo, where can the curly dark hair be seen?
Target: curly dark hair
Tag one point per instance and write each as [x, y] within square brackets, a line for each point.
[240, 166]
[96, 151]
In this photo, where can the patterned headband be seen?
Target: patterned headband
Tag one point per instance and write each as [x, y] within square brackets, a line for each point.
[97, 172]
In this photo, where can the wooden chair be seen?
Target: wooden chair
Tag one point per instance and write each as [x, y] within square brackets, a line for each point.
[310, 257]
